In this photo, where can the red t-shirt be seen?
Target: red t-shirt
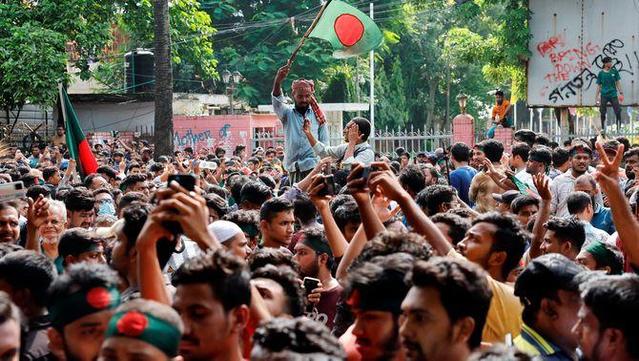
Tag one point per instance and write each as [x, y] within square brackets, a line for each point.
[325, 310]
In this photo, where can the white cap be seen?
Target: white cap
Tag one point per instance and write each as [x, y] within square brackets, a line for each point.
[224, 230]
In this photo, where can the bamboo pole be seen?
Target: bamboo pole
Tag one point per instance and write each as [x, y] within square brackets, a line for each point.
[308, 32]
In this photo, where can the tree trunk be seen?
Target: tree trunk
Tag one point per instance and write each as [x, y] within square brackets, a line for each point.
[430, 105]
[163, 81]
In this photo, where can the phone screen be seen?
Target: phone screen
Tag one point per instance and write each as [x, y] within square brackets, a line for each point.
[185, 180]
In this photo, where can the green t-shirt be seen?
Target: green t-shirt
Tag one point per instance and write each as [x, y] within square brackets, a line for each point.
[608, 80]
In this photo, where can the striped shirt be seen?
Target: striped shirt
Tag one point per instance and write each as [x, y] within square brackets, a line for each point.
[532, 343]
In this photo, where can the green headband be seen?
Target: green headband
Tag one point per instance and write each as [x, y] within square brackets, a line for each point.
[147, 328]
[82, 303]
[600, 253]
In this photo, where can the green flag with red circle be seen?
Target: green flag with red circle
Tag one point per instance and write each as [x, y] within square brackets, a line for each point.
[350, 31]
[79, 148]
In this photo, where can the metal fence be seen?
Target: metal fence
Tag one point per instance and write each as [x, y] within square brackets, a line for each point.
[415, 141]
[384, 142]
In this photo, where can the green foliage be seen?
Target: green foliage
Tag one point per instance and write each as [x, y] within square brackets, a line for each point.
[32, 63]
[192, 49]
[33, 39]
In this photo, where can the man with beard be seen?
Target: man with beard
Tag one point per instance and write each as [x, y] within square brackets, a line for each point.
[374, 292]
[299, 158]
[81, 302]
[80, 205]
[501, 115]
[564, 184]
[602, 217]
[608, 320]
[124, 256]
[445, 310]
[316, 260]
[355, 149]
[9, 223]
[212, 296]
[549, 290]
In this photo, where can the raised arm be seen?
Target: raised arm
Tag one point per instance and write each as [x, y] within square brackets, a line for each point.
[607, 176]
[279, 78]
[352, 251]
[500, 179]
[543, 187]
[304, 184]
[360, 191]
[149, 271]
[387, 184]
[308, 133]
[36, 216]
[353, 138]
[335, 238]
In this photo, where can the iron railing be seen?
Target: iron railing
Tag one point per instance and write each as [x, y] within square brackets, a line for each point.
[414, 141]
[384, 142]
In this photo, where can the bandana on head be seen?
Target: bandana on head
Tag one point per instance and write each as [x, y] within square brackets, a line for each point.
[83, 303]
[600, 253]
[309, 84]
[146, 327]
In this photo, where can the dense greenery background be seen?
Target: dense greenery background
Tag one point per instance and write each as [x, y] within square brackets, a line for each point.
[470, 47]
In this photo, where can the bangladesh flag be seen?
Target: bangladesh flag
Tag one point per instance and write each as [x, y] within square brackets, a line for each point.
[79, 148]
[350, 31]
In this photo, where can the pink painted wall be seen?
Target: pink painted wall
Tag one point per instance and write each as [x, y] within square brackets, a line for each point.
[224, 131]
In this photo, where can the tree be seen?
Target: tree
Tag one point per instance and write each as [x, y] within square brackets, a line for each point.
[34, 39]
[163, 81]
[192, 53]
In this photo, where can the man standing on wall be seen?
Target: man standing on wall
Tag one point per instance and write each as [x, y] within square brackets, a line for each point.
[609, 91]
[299, 158]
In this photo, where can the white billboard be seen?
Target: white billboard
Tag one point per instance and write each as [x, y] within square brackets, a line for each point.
[569, 40]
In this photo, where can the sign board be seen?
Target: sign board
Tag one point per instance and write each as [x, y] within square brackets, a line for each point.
[569, 40]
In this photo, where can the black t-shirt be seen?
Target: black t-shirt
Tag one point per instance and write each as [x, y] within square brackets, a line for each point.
[35, 342]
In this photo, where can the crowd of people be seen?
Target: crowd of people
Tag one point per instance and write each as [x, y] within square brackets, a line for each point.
[309, 251]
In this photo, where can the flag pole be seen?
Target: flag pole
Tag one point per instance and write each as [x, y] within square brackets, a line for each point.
[63, 105]
[308, 32]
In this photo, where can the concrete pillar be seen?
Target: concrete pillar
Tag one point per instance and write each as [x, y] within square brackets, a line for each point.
[335, 126]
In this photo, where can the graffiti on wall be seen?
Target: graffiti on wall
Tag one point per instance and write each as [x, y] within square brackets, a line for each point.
[222, 135]
[189, 138]
[575, 69]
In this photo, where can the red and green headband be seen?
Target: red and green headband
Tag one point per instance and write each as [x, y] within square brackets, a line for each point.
[148, 328]
[83, 303]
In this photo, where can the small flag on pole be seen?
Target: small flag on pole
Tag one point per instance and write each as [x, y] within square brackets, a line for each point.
[79, 148]
[350, 31]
